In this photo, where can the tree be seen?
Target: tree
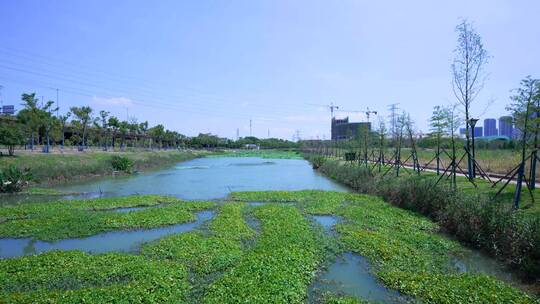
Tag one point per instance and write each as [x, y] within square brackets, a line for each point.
[470, 58]
[48, 121]
[452, 123]
[382, 132]
[63, 122]
[525, 109]
[157, 133]
[11, 135]
[114, 124]
[84, 116]
[104, 132]
[438, 127]
[34, 116]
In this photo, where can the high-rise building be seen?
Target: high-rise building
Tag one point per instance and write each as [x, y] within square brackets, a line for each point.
[490, 127]
[505, 126]
[8, 110]
[478, 131]
[343, 129]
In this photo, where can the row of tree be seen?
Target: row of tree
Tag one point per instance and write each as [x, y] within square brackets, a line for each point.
[40, 124]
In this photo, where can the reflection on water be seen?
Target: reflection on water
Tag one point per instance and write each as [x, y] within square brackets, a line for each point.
[265, 163]
[127, 241]
[326, 221]
[350, 275]
[477, 262]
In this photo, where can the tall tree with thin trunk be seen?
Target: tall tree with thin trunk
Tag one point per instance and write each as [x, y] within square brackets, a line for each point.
[470, 59]
[84, 116]
[438, 126]
[524, 115]
[452, 122]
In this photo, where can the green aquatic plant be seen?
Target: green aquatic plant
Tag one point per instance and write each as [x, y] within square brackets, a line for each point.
[80, 218]
[76, 277]
[279, 267]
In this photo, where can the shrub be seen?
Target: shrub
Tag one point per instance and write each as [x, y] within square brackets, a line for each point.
[122, 163]
[13, 179]
[317, 161]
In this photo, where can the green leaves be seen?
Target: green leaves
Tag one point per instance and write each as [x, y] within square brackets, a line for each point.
[70, 219]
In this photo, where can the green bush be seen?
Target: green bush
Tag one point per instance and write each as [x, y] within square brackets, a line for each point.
[122, 163]
[317, 161]
[13, 179]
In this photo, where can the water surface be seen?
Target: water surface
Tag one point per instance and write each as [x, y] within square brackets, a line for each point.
[120, 240]
[204, 179]
[350, 275]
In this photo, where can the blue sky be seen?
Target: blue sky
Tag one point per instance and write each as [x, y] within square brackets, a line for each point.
[210, 66]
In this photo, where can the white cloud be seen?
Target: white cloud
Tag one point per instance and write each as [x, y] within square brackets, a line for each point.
[113, 101]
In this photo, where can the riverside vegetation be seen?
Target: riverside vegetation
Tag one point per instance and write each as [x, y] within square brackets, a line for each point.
[48, 168]
[254, 253]
[513, 236]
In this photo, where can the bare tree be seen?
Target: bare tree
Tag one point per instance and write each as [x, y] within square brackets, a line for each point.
[468, 73]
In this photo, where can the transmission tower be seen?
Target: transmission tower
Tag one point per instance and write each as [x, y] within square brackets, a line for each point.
[393, 108]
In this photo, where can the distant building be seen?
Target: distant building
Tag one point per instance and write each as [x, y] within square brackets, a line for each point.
[478, 131]
[490, 127]
[8, 110]
[516, 133]
[505, 126]
[343, 129]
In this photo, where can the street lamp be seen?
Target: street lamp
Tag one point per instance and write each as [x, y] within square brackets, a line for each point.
[472, 123]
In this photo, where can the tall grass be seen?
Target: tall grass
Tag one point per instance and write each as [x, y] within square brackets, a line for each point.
[61, 167]
[492, 225]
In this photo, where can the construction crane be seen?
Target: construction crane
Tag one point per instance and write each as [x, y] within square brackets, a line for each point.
[367, 112]
[331, 106]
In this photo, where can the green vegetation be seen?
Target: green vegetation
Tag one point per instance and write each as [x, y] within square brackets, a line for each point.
[76, 277]
[267, 253]
[60, 167]
[406, 249]
[280, 266]
[13, 179]
[122, 163]
[207, 253]
[61, 219]
[277, 154]
[512, 236]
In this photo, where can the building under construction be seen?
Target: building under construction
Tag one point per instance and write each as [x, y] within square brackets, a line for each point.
[343, 129]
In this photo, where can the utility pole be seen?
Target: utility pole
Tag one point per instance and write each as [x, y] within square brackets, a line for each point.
[57, 104]
[1, 100]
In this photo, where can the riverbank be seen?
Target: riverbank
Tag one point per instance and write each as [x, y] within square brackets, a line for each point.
[512, 236]
[271, 251]
[57, 168]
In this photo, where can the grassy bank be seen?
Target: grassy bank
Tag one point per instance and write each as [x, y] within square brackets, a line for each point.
[47, 168]
[269, 253]
[473, 217]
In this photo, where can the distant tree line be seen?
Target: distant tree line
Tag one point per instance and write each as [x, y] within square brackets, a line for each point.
[38, 124]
